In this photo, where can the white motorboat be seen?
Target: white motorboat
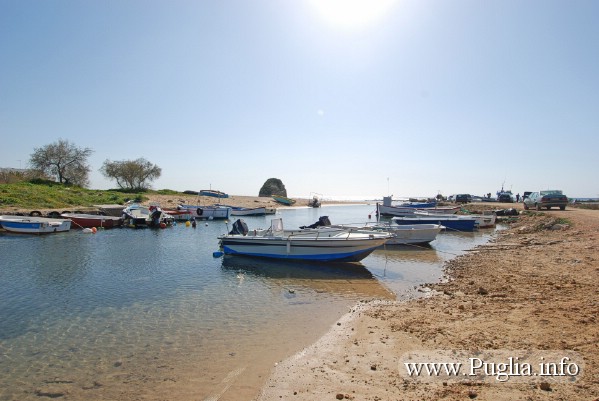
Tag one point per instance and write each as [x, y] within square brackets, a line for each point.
[324, 244]
[206, 212]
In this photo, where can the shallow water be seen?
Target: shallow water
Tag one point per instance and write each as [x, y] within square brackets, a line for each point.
[150, 314]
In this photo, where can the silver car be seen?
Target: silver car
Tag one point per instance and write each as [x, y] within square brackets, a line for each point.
[546, 199]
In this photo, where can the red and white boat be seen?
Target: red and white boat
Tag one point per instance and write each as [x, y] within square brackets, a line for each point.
[80, 220]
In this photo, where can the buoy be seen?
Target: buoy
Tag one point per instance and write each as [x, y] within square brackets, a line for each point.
[94, 230]
[187, 223]
[217, 254]
[87, 231]
[163, 225]
[206, 224]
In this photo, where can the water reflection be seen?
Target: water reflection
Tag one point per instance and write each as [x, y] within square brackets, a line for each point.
[333, 278]
[293, 269]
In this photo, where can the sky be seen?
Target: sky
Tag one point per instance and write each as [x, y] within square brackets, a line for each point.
[347, 99]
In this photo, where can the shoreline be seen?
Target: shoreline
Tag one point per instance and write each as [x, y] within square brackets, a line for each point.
[533, 287]
[171, 201]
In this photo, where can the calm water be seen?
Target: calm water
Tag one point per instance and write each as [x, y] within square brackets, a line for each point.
[150, 314]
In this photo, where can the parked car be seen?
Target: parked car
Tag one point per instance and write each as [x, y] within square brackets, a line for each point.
[546, 199]
[505, 197]
[463, 198]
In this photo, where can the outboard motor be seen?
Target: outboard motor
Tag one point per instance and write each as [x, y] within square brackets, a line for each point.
[239, 228]
[322, 221]
[155, 217]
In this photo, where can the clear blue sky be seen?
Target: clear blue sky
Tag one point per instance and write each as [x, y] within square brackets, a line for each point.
[406, 97]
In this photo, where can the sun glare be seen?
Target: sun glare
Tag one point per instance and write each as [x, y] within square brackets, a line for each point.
[351, 14]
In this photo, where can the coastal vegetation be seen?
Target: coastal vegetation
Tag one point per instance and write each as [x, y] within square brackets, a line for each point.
[132, 175]
[64, 161]
[46, 194]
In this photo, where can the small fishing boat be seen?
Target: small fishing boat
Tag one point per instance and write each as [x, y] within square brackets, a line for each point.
[34, 225]
[81, 220]
[138, 216]
[283, 200]
[251, 211]
[399, 234]
[324, 245]
[409, 208]
[419, 205]
[314, 202]
[213, 193]
[450, 222]
[486, 220]
[206, 212]
[406, 234]
[388, 210]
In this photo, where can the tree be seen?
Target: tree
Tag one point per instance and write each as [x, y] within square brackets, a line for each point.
[273, 186]
[131, 174]
[63, 160]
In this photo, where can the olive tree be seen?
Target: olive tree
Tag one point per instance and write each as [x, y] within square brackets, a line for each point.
[132, 175]
[64, 161]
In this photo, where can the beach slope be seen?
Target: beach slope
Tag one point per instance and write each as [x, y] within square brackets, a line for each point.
[534, 287]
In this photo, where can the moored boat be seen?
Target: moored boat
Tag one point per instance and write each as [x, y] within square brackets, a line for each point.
[450, 222]
[399, 234]
[328, 245]
[407, 234]
[34, 225]
[283, 200]
[206, 212]
[486, 220]
[251, 211]
[213, 193]
[138, 216]
[80, 220]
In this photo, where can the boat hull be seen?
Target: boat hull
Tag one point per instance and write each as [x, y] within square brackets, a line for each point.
[413, 234]
[214, 194]
[283, 200]
[91, 220]
[399, 211]
[321, 250]
[34, 225]
[206, 212]
[256, 211]
[453, 224]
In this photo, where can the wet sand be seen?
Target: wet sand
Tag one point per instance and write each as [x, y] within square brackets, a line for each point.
[533, 288]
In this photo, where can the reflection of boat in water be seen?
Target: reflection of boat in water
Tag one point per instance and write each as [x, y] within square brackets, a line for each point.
[408, 253]
[294, 269]
[336, 278]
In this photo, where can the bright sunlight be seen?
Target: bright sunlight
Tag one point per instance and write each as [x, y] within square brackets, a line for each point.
[351, 14]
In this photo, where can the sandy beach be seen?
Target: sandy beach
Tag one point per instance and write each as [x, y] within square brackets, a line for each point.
[533, 288]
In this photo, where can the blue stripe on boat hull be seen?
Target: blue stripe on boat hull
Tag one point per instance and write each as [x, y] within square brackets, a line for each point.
[338, 257]
[459, 225]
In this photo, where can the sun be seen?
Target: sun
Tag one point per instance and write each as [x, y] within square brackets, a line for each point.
[351, 14]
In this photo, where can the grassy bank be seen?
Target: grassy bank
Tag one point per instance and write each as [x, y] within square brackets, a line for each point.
[52, 195]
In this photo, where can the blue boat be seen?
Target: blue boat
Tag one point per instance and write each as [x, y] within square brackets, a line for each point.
[453, 223]
[213, 193]
[419, 205]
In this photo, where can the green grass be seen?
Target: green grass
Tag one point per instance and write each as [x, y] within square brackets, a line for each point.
[42, 194]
